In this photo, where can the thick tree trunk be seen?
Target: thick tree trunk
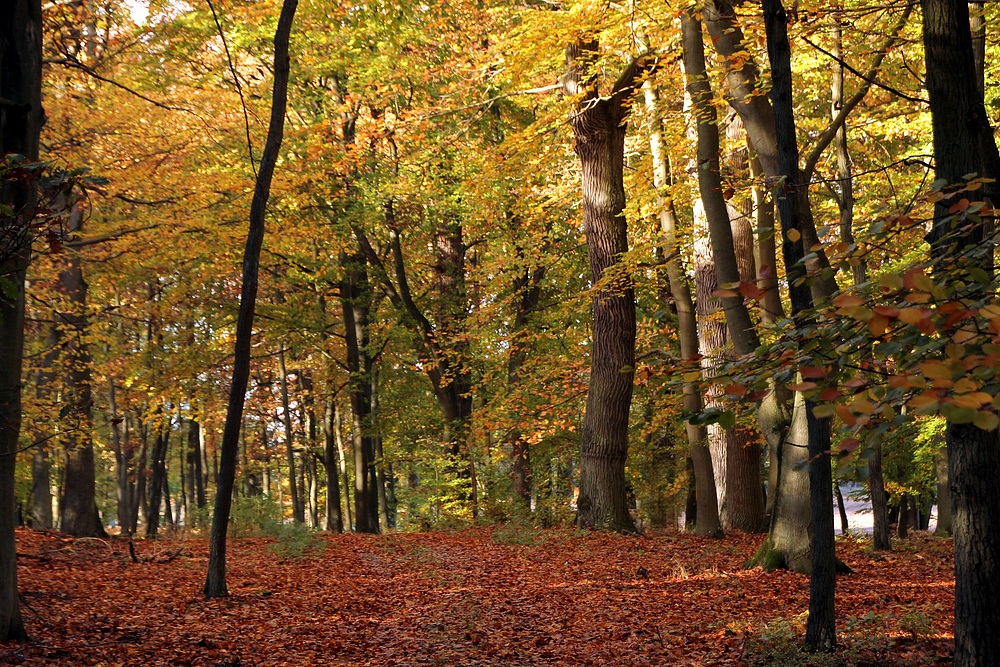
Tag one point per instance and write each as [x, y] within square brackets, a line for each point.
[215, 582]
[79, 499]
[21, 119]
[964, 144]
[599, 130]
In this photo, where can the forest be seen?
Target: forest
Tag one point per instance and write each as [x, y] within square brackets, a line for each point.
[646, 291]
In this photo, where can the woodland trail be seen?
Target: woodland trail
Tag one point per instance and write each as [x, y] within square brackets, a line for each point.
[504, 596]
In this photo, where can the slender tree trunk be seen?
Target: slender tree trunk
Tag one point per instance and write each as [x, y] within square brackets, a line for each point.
[944, 524]
[331, 461]
[158, 467]
[527, 292]
[286, 415]
[881, 538]
[79, 501]
[215, 583]
[793, 207]
[720, 264]
[339, 436]
[702, 512]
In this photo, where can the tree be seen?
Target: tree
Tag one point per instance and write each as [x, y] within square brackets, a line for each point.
[21, 119]
[215, 583]
[964, 145]
[599, 131]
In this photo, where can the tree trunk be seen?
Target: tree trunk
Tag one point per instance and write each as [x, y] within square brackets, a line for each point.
[796, 220]
[79, 500]
[599, 130]
[881, 538]
[702, 511]
[286, 417]
[944, 524]
[331, 460]
[964, 144]
[215, 583]
[527, 292]
[158, 475]
[20, 125]
[719, 263]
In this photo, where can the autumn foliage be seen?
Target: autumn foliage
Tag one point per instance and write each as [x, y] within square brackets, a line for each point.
[500, 596]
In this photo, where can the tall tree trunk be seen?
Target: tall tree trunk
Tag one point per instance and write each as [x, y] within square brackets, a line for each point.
[598, 123]
[964, 144]
[195, 454]
[793, 208]
[944, 524]
[79, 500]
[341, 453]
[720, 264]
[881, 538]
[21, 119]
[527, 292]
[157, 478]
[702, 515]
[215, 582]
[355, 296]
[286, 417]
[331, 461]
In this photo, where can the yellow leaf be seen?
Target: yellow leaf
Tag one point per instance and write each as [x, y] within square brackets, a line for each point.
[988, 421]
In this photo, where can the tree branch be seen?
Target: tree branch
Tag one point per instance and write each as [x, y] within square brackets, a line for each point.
[831, 131]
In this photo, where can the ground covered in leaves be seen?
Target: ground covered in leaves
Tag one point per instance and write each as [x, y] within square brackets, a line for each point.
[499, 596]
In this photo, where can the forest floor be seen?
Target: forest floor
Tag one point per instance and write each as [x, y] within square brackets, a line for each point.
[490, 596]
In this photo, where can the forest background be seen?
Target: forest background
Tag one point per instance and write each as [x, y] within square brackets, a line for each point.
[445, 331]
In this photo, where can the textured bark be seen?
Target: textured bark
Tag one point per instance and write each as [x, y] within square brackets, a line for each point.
[701, 515]
[215, 583]
[944, 523]
[331, 460]
[20, 81]
[599, 131]
[355, 297]
[964, 144]
[79, 497]
[793, 207]
[881, 539]
[736, 455]
[294, 488]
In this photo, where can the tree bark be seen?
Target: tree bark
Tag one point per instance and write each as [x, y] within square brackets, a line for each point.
[964, 144]
[793, 206]
[20, 125]
[355, 296]
[944, 523]
[215, 583]
[331, 461]
[720, 265]
[286, 417]
[702, 511]
[599, 130]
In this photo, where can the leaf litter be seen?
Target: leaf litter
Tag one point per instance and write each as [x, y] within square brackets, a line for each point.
[488, 596]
